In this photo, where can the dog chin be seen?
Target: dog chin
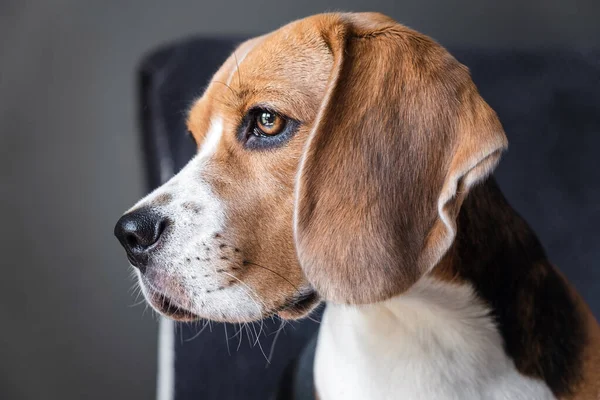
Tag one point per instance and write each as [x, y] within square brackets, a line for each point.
[297, 307]
[165, 306]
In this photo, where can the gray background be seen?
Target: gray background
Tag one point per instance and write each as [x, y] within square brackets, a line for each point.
[70, 163]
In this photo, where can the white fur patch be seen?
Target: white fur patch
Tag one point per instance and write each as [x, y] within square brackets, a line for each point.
[193, 266]
[213, 137]
[435, 342]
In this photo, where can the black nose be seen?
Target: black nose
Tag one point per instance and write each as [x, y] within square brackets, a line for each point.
[139, 231]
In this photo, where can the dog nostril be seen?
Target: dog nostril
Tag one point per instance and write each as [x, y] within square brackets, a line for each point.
[131, 240]
[161, 228]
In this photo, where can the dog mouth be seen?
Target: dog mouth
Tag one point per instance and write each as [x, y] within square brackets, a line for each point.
[296, 307]
[169, 308]
[299, 306]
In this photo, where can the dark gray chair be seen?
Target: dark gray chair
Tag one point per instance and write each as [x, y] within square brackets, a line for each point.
[549, 103]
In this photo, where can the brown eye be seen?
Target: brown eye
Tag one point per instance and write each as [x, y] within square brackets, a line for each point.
[269, 123]
[263, 129]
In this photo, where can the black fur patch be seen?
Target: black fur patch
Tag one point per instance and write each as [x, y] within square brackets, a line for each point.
[537, 316]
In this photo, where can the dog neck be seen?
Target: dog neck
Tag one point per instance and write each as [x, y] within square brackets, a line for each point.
[493, 307]
[536, 313]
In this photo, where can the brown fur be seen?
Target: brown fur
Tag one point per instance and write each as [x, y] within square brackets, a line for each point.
[588, 387]
[401, 119]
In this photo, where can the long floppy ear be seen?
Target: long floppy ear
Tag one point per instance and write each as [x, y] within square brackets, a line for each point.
[401, 136]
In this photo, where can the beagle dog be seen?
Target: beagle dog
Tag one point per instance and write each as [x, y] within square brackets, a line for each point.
[346, 158]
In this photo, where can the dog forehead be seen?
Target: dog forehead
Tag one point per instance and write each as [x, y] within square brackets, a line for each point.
[294, 54]
[287, 69]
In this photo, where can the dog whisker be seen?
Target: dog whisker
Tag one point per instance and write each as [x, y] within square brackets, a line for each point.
[226, 338]
[237, 64]
[204, 325]
[241, 332]
[245, 262]
[137, 303]
[248, 333]
[277, 333]
[230, 89]
[259, 344]
[248, 294]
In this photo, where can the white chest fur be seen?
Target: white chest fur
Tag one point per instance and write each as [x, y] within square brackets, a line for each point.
[434, 342]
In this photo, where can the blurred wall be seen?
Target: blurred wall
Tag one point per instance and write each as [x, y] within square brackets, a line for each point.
[70, 163]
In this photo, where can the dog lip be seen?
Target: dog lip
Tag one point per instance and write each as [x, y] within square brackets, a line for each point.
[301, 304]
[166, 306]
[135, 263]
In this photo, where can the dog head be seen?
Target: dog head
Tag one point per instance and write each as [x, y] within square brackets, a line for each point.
[333, 157]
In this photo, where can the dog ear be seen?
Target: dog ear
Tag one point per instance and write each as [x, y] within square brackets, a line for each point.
[400, 137]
